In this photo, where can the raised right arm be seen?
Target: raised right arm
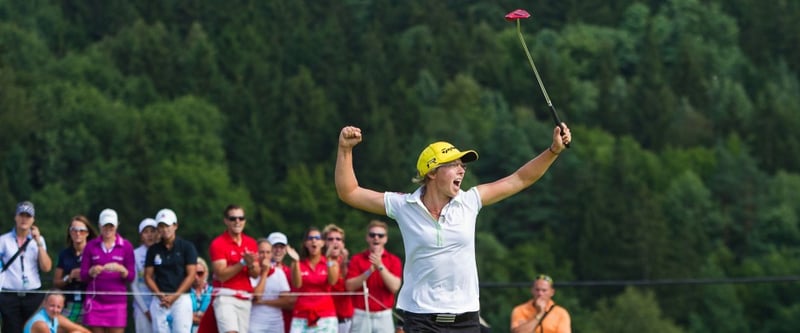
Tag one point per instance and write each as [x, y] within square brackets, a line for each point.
[345, 177]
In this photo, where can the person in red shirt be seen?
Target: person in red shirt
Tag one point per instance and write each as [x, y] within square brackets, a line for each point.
[334, 241]
[381, 271]
[313, 275]
[233, 255]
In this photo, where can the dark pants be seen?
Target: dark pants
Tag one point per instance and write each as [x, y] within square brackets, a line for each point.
[16, 308]
[467, 322]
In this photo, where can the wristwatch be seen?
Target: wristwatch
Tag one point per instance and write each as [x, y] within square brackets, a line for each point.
[380, 268]
[243, 262]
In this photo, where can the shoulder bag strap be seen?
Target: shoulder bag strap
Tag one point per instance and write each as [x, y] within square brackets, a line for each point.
[6, 265]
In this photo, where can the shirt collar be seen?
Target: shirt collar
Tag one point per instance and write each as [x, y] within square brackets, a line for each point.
[416, 197]
[14, 233]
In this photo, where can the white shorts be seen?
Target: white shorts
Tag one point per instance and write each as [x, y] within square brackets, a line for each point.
[233, 314]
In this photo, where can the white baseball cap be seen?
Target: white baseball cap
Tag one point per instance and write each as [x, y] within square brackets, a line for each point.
[108, 216]
[148, 222]
[166, 216]
[277, 238]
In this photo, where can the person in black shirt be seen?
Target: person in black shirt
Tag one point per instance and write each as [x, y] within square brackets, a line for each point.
[67, 276]
[169, 272]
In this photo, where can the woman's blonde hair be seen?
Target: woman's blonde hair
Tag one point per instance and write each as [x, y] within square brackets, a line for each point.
[202, 262]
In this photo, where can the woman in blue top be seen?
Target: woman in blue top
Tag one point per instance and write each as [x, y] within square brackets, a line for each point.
[48, 319]
[200, 293]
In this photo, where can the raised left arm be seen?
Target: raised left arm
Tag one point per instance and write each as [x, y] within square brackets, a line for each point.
[528, 174]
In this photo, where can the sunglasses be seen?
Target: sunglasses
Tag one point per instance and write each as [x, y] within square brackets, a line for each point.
[375, 234]
[235, 218]
[545, 277]
[454, 164]
[201, 273]
[315, 237]
[331, 239]
[81, 230]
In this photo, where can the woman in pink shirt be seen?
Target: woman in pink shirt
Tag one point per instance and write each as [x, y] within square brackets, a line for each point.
[108, 268]
[315, 274]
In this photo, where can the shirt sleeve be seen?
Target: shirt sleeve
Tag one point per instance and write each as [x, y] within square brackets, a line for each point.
[149, 257]
[472, 198]
[392, 201]
[283, 283]
[395, 266]
[215, 252]
[517, 317]
[354, 267]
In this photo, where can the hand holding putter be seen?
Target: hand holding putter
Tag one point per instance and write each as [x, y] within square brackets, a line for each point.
[518, 15]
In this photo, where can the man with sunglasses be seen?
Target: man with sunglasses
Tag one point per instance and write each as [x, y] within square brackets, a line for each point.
[169, 271]
[233, 256]
[540, 314]
[440, 289]
[381, 271]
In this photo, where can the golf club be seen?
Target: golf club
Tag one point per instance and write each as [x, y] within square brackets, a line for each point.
[518, 15]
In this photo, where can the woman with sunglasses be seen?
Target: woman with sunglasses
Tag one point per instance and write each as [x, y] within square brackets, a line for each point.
[67, 276]
[315, 275]
[437, 222]
[200, 293]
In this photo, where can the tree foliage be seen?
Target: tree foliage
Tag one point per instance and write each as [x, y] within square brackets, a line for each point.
[684, 165]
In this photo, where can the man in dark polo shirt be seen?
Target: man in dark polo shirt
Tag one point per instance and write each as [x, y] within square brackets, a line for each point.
[169, 272]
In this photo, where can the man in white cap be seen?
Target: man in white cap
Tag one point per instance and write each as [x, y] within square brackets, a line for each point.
[148, 235]
[24, 255]
[169, 271]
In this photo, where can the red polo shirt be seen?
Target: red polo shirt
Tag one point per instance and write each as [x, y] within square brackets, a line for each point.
[223, 247]
[380, 297]
[314, 281]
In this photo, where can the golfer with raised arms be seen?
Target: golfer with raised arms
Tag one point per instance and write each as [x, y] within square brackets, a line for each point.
[437, 222]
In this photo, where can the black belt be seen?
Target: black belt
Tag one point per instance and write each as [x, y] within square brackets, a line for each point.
[344, 320]
[449, 318]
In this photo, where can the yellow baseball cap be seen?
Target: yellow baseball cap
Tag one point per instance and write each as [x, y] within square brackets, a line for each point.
[438, 153]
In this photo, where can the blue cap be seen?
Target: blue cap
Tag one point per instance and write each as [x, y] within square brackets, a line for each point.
[26, 207]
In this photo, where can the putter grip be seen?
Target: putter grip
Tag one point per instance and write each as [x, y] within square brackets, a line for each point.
[557, 120]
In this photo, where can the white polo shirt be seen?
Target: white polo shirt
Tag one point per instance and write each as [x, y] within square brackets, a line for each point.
[26, 265]
[261, 315]
[440, 273]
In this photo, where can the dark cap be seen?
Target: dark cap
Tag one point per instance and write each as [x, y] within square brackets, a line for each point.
[26, 207]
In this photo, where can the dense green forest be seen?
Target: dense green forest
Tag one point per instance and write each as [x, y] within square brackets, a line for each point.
[684, 113]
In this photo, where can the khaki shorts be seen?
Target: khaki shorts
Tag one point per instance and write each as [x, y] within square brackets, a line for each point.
[233, 314]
